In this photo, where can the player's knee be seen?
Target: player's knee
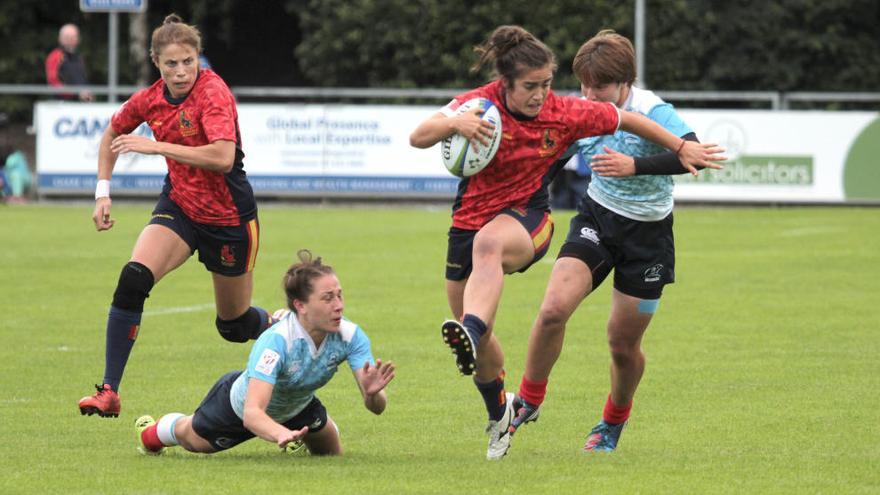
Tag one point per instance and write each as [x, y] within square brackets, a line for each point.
[232, 330]
[623, 351]
[552, 317]
[133, 288]
[241, 329]
[628, 360]
[486, 247]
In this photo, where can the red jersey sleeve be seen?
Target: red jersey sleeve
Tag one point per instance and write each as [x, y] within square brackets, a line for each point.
[218, 113]
[481, 92]
[592, 118]
[53, 62]
[131, 114]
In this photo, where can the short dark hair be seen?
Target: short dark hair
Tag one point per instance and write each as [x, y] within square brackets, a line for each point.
[605, 58]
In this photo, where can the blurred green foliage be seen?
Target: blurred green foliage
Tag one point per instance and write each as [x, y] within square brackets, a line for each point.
[734, 45]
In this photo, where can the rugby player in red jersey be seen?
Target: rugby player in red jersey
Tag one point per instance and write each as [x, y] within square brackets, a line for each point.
[206, 204]
[501, 216]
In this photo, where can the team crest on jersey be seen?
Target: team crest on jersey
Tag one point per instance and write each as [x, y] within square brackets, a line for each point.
[227, 255]
[549, 142]
[187, 128]
[294, 367]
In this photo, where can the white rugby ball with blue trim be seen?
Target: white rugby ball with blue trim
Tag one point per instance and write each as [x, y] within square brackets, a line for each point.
[460, 157]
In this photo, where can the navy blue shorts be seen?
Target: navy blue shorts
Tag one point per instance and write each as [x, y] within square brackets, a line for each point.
[642, 254]
[459, 254]
[225, 250]
[216, 421]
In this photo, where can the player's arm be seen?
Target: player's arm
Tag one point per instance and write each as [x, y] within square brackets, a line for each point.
[691, 154]
[53, 62]
[440, 126]
[106, 162]
[614, 164]
[665, 163]
[372, 380]
[218, 156]
[261, 424]
[106, 156]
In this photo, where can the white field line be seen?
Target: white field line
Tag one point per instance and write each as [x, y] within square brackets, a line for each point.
[179, 309]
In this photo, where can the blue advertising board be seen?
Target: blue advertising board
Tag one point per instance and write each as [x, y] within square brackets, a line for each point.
[113, 5]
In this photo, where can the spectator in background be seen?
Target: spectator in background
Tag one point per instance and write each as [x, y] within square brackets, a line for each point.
[570, 185]
[15, 175]
[65, 67]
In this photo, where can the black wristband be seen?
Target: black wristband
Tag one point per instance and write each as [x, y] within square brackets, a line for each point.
[663, 163]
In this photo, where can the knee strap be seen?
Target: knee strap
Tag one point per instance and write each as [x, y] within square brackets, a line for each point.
[133, 288]
[648, 306]
[241, 329]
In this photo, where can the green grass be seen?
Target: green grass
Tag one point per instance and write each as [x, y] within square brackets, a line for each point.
[763, 362]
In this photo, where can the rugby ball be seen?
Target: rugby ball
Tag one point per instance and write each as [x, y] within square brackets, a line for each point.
[460, 157]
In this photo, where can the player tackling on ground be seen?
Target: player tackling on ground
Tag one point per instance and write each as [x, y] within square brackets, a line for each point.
[274, 398]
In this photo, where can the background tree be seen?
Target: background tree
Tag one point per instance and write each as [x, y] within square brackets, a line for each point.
[733, 45]
[427, 43]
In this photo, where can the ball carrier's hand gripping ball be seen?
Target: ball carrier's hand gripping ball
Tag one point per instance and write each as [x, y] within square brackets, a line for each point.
[460, 157]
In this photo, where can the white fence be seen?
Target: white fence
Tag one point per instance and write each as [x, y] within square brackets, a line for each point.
[774, 100]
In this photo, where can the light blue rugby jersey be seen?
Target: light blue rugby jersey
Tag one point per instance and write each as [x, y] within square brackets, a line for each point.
[647, 198]
[286, 357]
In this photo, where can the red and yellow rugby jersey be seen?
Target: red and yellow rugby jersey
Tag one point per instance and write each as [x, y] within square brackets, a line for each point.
[207, 114]
[521, 171]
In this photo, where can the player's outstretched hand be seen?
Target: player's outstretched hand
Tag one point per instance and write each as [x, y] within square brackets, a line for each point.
[693, 154]
[375, 378]
[291, 436]
[613, 164]
[101, 215]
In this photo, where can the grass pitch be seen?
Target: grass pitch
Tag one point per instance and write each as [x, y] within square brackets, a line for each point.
[763, 361]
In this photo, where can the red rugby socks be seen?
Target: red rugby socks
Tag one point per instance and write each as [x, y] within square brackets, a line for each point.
[614, 414]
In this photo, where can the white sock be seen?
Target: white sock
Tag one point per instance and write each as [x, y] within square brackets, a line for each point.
[165, 429]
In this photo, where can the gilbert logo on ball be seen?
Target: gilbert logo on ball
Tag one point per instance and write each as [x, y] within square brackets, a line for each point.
[460, 157]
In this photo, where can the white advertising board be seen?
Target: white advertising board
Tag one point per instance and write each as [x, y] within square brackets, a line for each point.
[785, 156]
[363, 150]
[290, 150]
